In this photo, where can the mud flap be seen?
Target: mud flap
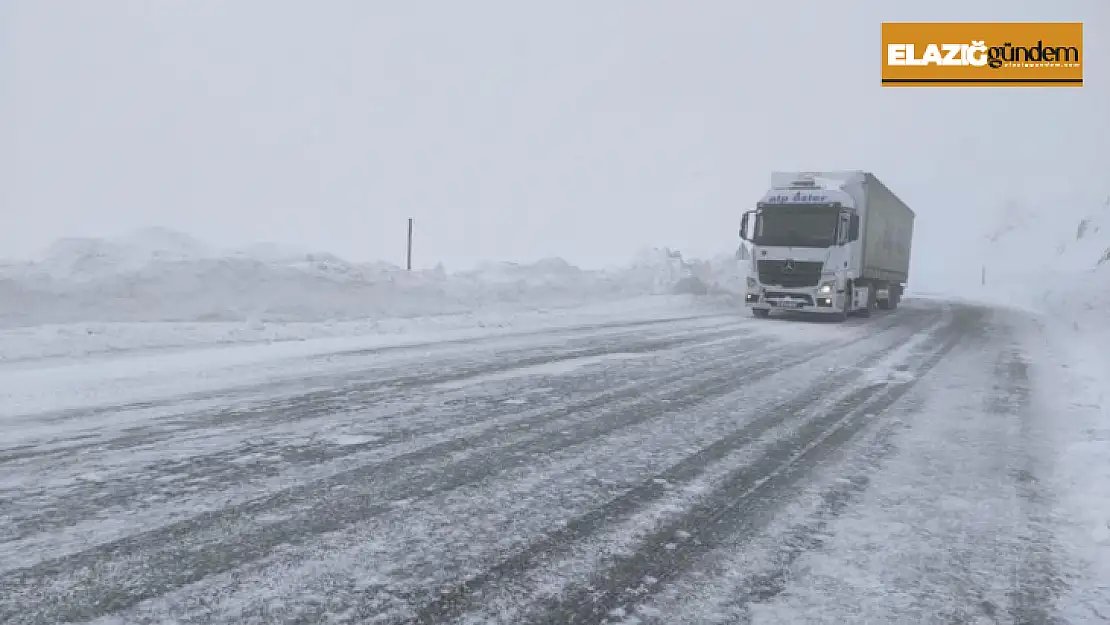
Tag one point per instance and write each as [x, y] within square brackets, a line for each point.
[863, 299]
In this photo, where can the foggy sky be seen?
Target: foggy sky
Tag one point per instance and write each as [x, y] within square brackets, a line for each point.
[510, 130]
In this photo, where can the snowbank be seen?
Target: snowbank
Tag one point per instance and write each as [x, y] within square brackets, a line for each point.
[160, 275]
[157, 288]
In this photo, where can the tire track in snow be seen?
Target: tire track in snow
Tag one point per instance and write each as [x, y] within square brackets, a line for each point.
[413, 551]
[112, 352]
[398, 389]
[353, 396]
[784, 549]
[161, 419]
[737, 510]
[159, 553]
[730, 586]
[1036, 583]
[338, 386]
[89, 583]
[67, 479]
[393, 426]
[453, 602]
[611, 329]
[763, 585]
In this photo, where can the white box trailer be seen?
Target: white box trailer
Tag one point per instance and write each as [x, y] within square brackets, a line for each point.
[836, 243]
[887, 234]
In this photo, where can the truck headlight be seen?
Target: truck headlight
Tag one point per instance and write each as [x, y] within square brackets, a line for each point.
[752, 282]
[826, 288]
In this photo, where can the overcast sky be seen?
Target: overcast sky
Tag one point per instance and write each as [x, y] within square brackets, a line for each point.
[509, 130]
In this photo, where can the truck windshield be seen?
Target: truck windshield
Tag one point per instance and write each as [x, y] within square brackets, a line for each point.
[791, 225]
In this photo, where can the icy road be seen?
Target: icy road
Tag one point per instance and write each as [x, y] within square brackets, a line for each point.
[706, 469]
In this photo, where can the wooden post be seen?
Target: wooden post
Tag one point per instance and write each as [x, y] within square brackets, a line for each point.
[408, 253]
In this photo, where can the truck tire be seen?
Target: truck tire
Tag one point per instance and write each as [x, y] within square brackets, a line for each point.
[761, 313]
[888, 303]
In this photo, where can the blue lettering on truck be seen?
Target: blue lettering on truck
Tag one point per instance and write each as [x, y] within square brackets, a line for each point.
[797, 198]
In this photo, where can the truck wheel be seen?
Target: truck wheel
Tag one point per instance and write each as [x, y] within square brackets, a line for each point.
[884, 304]
[761, 313]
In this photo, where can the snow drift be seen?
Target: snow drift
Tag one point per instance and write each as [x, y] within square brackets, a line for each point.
[162, 275]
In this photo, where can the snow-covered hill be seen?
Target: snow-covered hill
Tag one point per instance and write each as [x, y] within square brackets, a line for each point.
[1056, 261]
[158, 274]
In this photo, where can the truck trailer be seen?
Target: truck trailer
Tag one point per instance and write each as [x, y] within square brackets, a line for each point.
[834, 243]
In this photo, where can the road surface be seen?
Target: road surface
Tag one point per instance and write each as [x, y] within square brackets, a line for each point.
[702, 470]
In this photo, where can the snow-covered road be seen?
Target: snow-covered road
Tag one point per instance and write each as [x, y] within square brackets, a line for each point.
[706, 469]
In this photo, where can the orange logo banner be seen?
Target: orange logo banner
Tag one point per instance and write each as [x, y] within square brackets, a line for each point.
[987, 54]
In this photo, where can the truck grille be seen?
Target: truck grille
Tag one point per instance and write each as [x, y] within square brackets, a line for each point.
[805, 273]
[793, 296]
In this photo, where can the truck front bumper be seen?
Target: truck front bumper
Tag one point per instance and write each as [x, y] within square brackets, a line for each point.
[795, 300]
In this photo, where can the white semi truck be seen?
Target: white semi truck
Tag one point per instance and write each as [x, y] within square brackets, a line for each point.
[836, 243]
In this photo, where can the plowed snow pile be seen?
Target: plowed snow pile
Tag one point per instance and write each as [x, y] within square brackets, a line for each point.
[161, 288]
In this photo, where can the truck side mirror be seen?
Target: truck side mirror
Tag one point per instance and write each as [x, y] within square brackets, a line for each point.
[853, 228]
[744, 226]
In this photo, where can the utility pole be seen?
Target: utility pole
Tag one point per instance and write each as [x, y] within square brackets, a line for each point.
[983, 276]
[408, 254]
